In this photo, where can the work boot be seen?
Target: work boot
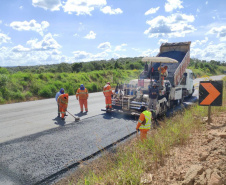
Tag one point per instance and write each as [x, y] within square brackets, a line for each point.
[58, 114]
[81, 112]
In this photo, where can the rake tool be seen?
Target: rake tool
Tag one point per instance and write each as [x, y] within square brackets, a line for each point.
[76, 118]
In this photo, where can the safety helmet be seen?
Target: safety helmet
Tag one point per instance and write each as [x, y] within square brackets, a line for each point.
[82, 87]
[62, 90]
[142, 108]
[154, 84]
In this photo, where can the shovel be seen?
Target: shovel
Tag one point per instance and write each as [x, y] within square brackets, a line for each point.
[76, 118]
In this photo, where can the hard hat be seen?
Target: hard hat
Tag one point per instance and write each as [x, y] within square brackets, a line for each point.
[82, 87]
[154, 84]
[142, 108]
[62, 90]
[108, 83]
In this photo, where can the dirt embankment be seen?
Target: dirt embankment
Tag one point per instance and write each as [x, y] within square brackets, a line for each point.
[201, 162]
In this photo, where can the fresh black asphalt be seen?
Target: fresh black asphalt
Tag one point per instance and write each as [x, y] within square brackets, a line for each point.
[30, 159]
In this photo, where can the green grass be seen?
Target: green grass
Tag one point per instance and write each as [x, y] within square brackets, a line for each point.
[27, 86]
[134, 158]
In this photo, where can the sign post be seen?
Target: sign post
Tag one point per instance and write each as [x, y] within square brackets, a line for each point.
[210, 94]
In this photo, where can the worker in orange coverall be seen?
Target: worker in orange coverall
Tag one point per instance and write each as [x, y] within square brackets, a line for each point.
[63, 103]
[144, 123]
[107, 93]
[82, 95]
[164, 72]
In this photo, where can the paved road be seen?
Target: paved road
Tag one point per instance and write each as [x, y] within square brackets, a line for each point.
[21, 119]
[34, 145]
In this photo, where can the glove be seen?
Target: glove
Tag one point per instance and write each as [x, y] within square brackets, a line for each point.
[77, 98]
[138, 130]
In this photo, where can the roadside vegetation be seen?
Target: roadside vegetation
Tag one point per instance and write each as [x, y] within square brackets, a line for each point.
[204, 68]
[132, 159]
[25, 83]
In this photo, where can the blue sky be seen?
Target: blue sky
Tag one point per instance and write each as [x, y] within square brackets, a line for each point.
[34, 32]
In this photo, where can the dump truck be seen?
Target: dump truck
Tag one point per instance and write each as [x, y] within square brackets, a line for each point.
[173, 88]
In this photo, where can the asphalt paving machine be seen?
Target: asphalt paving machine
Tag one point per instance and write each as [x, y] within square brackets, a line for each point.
[177, 83]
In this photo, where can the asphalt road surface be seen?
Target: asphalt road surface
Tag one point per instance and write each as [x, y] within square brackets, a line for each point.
[34, 143]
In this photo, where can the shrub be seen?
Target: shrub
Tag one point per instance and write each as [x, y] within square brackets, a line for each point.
[35, 88]
[3, 80]
[58, 84]
[48, 91]
[5, 93]
[94, 87]
[45, 92]
[3, 70]
[28, 94]
[28, 77]
[17, 95]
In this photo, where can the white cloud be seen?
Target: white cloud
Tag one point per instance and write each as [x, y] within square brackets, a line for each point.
[99, 56]
[109, 10]
[198, 10]
[199, 42]
[25, 57]
[20, 48]
[76, 35]
[152, 11]
[90, 35]
[21, 7]
[81, 55]
[52, 5]
[56, 52]
[175, 25]
[173, 4]
[104, 46]
[120, 47]
[48, 43]
[220, 31]
[4, 38]
[85, 56]
[162, 41]
[30, 26]
[82, 7]
[136, 49]
[116, 55]
[206, 2]
[56, 35]
[211, 52]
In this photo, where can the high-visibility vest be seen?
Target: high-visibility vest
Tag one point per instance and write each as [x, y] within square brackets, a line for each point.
[61, 100]
[82, 94]
[147, 115]
[107, 90]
